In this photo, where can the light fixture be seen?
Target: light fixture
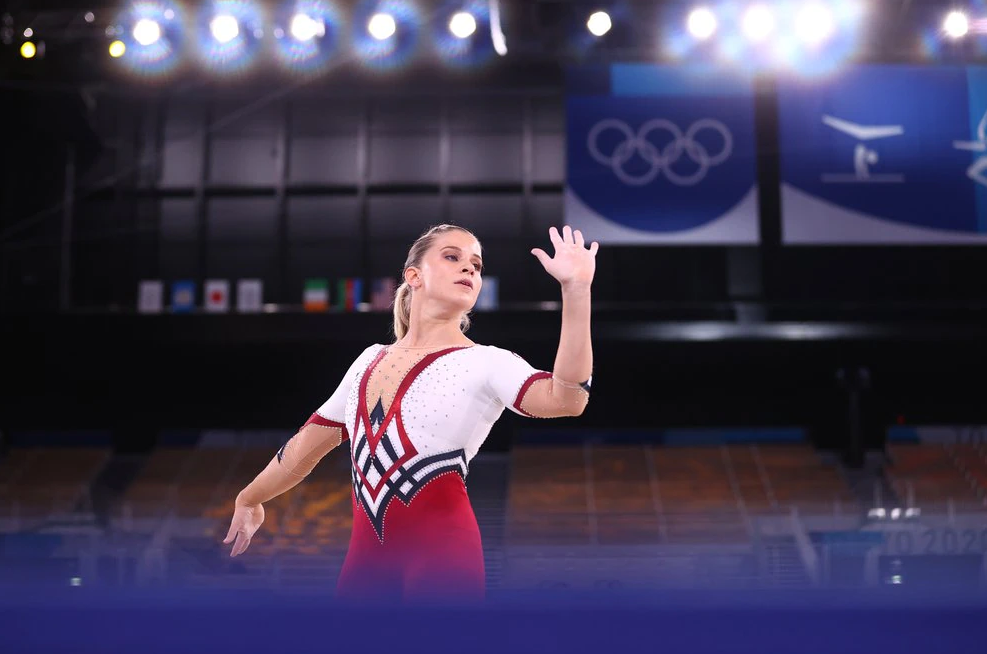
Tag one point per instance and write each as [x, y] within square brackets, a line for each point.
[956, 25]
[462, 25]
[382, 26]
[701, 23]
[814, 23]
[147, 31]
[758, 23]
[224, 28]
[599, 23]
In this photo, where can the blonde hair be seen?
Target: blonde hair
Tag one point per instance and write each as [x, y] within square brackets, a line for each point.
[402, 297]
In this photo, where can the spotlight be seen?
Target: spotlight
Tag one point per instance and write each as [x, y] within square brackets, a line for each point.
[956, 25]
[305, 28]
[814, 24]
[147, 31]
[28, 33]
[599, 23]
[169, 14]
[701, 23]
[28, 50]
[462, 25]
[758, 23]
[382, 26]
[224, 28]
[89, 17]
[118, 49]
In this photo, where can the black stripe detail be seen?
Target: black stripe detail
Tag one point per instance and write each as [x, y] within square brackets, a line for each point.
[392, 487]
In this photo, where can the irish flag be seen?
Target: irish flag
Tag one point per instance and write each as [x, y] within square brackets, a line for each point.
[316, 297]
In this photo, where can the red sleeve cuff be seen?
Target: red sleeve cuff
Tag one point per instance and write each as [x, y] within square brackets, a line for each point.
[316, 419]
[524, 389]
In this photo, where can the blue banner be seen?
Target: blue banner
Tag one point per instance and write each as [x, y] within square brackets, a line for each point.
[659, 154]
[885, 155]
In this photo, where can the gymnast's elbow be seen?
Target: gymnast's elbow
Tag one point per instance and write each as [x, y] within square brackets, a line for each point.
[576, 409]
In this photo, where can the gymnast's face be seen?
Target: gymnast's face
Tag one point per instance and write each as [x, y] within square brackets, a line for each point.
[450, 271]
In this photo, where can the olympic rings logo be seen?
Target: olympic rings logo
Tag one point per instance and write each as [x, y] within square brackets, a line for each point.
[663, 159]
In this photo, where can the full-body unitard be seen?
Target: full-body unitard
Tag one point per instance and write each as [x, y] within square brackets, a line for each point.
[415, 418]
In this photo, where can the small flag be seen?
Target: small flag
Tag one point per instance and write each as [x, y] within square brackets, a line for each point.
[150, 298]
[182, 296]
[316, 296]
[350, 293]
[217, 293]
[487, 300]
[382, 293]
[249, 295]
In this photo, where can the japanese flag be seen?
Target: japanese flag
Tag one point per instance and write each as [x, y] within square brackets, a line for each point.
[217, 296]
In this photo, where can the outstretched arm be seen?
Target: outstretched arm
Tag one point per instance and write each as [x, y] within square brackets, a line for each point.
[574, 266]
[287, 468]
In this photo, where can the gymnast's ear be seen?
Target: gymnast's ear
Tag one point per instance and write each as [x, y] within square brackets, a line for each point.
[413, 276]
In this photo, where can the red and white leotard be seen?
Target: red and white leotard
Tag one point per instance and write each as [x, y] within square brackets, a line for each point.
[415, 418]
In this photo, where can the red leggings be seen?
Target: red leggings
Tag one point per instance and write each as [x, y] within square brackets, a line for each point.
[431, 549]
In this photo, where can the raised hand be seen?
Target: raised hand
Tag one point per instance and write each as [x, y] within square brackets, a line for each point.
[246, 521]
[573, 264]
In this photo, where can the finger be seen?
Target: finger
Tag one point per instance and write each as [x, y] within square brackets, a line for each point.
[593, 248]
[242, 541]
[541, 255]
[230, 534]
[567, 234]
[553, 234]
[578, 238]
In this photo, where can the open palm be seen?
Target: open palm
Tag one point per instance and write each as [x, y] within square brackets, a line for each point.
[573, 263]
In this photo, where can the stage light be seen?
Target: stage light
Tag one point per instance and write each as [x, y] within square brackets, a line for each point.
[90, 17]
[28, 33]
[956, 25]
[459, 33]
[599, 23]
[701, 23]
[224, 28]
[462, 25]
[305, 28]
[382, 26]
[814, 24]
[758, 23]
[147, 31]
[306, 35]
[145, 38]
[28, 50]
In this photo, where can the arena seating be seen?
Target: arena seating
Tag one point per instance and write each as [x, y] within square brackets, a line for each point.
[932, 474]
[39, 482]
[636, 494]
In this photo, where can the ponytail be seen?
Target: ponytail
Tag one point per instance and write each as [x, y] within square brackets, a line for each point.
[402, 310]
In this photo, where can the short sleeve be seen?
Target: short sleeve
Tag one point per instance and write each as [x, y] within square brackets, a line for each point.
[509, 377]
[332, 413]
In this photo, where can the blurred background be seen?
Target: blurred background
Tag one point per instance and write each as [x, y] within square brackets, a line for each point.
[205, 207]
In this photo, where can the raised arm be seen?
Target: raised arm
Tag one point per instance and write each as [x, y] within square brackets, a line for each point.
[567, 392]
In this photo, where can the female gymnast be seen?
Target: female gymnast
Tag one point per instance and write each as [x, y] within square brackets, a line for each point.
[417, 410]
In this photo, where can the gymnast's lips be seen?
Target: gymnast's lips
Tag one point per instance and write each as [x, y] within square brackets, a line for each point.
[465, 282]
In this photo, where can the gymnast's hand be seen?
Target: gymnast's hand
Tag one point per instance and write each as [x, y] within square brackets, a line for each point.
[246, 521]
[573, 265]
